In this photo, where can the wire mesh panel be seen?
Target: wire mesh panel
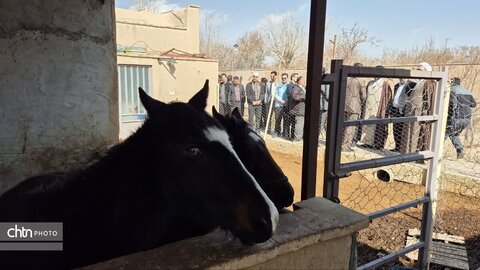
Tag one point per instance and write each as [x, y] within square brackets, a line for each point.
[458, 209]
[385, 155]
[372, 190]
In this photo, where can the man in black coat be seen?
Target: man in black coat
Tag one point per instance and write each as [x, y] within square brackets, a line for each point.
[459, 114]
[289, 118]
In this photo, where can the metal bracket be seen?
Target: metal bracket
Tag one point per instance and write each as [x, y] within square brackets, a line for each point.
[340, 174]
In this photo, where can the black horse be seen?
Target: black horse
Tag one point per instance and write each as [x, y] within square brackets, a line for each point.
[176, 177]
[254, 154]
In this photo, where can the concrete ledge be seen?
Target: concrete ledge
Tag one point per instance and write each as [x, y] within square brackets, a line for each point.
[317, 229]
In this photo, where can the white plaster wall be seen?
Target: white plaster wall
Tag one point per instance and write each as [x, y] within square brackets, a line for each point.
[160, 32]
[58, 85]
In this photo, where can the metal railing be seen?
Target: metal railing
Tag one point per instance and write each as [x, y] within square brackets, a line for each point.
[335, 169]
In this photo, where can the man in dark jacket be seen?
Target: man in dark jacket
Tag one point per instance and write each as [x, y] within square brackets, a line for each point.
[236, 95]
[297, 107]
[289, 118]
[270, 88]
[459, 114]
[223, 89]
[255, 97]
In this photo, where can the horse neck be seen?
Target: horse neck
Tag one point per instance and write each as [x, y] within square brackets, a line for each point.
[131, 160]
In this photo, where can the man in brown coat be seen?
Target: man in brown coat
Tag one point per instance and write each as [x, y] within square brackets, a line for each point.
[354, 99]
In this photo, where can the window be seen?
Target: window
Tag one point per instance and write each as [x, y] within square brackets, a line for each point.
[131, 77]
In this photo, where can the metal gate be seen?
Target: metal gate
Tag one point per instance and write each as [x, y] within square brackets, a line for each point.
[336, 168]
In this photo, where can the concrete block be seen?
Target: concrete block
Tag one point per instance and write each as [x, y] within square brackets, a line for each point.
[318, 235]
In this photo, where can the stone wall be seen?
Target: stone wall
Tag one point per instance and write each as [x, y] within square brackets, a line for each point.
[58, 92]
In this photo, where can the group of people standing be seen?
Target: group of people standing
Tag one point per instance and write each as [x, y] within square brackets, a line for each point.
[376, 100]
[284, 99]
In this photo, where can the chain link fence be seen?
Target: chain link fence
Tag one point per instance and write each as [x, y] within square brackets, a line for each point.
[367, 191]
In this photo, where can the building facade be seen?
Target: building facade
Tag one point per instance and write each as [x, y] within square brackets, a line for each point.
[161, 54]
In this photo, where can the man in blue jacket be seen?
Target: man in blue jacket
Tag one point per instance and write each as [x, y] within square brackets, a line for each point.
[280, 103]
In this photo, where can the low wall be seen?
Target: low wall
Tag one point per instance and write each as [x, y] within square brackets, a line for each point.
[317, 235]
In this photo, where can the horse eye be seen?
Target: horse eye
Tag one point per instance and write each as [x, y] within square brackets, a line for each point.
[194, 151]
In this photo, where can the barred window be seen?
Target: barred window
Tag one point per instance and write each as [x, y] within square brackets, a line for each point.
[130, 77]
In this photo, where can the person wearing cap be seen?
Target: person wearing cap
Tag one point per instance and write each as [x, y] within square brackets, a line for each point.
[459, 114]
[416, 136]
[255, 96]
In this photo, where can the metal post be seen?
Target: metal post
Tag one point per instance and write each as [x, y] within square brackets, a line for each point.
[312, 101]
[330, 180]
[270, 108]
[433, 171]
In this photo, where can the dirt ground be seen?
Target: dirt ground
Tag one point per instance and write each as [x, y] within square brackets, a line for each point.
[456, 214]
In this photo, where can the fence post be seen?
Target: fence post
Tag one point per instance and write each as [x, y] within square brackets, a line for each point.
[330, 181]
[312, 100]
[434, 169]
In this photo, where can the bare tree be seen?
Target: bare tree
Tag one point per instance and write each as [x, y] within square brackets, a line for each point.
[349, 41]
[212, 44]
[286, 39]
[251, 51]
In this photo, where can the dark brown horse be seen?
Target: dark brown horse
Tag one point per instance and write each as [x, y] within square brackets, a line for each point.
[178, 176]
[253, 152]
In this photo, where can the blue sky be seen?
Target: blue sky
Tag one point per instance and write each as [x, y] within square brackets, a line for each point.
[398, 24]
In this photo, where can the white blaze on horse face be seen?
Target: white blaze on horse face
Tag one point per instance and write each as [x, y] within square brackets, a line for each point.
[217, 135]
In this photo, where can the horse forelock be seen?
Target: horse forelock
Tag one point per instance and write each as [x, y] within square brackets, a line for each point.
[180, 120]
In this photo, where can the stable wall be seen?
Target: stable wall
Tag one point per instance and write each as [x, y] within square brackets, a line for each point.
[58, 87]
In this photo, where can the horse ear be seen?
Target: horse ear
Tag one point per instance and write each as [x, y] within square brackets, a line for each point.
[220, 117]
[148, 102]
[199, 100]
[236, 113]
[216, 114]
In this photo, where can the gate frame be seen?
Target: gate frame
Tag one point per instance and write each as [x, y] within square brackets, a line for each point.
[334, 169]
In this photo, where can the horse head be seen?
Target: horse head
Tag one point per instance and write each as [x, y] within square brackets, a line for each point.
[200, 172]
[253, 152]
